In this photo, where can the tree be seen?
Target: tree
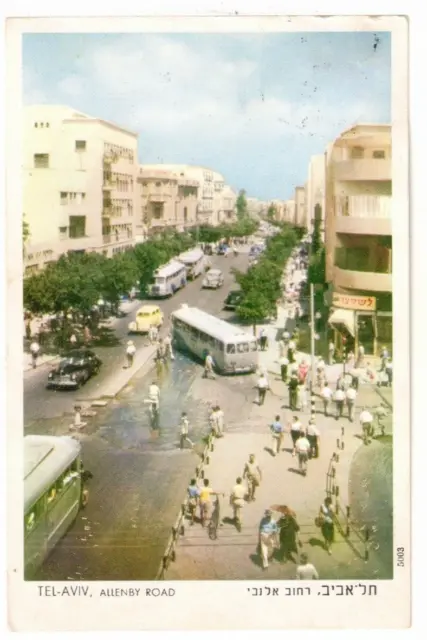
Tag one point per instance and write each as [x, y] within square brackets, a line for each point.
[241, 205]
[254, 308]
[272, 213]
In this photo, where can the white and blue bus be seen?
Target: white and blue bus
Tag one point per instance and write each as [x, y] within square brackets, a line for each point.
[195, 262]
[232, 349]
[52, 494]
[168, 279]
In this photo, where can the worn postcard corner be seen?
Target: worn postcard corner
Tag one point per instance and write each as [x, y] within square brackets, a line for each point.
[207, 323]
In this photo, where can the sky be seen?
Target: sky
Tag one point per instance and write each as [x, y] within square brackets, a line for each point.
[254, 107]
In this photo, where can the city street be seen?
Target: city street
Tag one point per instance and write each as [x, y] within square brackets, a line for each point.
[140, 476]
[42, 403]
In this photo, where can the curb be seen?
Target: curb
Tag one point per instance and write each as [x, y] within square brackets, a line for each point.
[387, 402]
[50, 360]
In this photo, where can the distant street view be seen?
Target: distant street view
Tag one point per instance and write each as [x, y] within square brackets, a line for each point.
[207, 347]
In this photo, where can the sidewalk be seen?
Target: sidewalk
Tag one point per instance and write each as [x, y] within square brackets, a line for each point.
[41, 360]
[233, 555]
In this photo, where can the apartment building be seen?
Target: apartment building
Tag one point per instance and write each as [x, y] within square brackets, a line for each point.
[211, 186]
[300, 207]
[315, 192]
[227, 205]
[359, 236]
[166, 200]
[79, 184]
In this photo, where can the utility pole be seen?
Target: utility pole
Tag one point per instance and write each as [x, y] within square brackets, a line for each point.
[313, 355]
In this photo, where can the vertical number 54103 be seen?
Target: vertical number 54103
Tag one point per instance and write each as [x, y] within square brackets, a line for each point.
[400, 551]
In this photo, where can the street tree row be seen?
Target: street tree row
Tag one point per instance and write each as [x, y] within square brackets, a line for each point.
[261, 284]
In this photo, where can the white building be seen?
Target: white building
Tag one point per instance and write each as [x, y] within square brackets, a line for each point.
[79, 182]
[315, 191]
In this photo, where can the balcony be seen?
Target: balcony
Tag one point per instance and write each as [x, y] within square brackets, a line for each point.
[188, 183]
[367, 169]
[363, 280]
[158, 197]
[363, 215]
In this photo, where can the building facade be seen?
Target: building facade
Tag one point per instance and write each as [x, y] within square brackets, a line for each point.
[315, 193]
[166, 200]
[79, 184]
[359, 236]
[210, 192]
[300, 208]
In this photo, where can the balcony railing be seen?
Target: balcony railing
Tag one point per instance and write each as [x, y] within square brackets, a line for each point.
[364, 206]
[367, 169]
[158, 197]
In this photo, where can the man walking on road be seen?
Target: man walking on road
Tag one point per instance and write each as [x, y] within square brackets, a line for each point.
[284, 363]
[219, 421]
[237, 501]
[302, 447]
[313, 436]
[331, 353]
[262, 386]
[366, 422]
[293, 392]
[277, 435]
[339, 402]
[326, 394]
[183, 431]
[34, 350]
[253, 475]
[351, 396]
[262, 340]
[268, 537]
[209, 364]
[130, 353]
[295, 429]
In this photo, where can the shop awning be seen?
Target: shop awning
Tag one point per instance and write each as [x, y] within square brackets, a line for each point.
[343, 317]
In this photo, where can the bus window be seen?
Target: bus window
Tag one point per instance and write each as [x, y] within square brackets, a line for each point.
[231, 348]
[254, 346]
[32, 517]
[219, 345]
[160, 280]
[243, 347]
[51, 495]
[30, 521]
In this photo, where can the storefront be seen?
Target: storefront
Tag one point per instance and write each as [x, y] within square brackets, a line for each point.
[357, 319]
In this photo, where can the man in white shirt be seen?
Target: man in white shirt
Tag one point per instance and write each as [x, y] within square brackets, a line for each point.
[154, 395]
[219, 421]
[209, 364]
[350, 398]
[183, 431]
[34, 350]
[339, 402]
[130, 353]
[262, 386]
[306, 571]
[168, 346]
[326, 394]
[366, 422]
[237, 501]
[302, 447]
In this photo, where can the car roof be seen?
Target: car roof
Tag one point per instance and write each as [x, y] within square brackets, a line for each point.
[77, 353]
[149, 307]
[214, 271]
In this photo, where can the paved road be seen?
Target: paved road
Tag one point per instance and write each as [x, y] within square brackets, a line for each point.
[40, 402]
[140, 476]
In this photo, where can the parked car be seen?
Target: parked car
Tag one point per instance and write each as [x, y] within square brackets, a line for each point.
[75, 368]
[146, 316]
[233, 300]
[213, 279]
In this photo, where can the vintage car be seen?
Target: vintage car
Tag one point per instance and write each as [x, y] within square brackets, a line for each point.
[213, 279]
[233, 300]
[148, 315]
[74, 369]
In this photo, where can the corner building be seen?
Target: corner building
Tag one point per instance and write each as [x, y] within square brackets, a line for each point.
[79, 184]
[359, 237]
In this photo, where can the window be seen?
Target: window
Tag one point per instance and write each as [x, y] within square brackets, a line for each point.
[41, 161]
[357, 152]
[243, 347]
[378, 154]
[64, 197]
[36, 124]
[158, 184]
[254, 346]
[47, 125]
[80, 145]
[231, 348]
[219, 345]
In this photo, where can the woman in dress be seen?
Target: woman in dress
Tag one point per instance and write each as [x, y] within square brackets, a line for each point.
[288, 534]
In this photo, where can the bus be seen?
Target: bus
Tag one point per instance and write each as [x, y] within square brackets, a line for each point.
[52, 494]
[194, 260]
[232, 349]
[168, 279]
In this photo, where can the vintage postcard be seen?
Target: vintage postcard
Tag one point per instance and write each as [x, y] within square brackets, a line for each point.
[208, 314]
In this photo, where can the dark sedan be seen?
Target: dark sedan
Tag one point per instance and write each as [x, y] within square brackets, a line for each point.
[75, 368]
[233, 300]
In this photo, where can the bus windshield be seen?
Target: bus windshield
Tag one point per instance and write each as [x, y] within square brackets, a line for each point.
[160, 280]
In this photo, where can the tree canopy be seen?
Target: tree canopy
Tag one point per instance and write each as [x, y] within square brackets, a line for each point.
[241, 204]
